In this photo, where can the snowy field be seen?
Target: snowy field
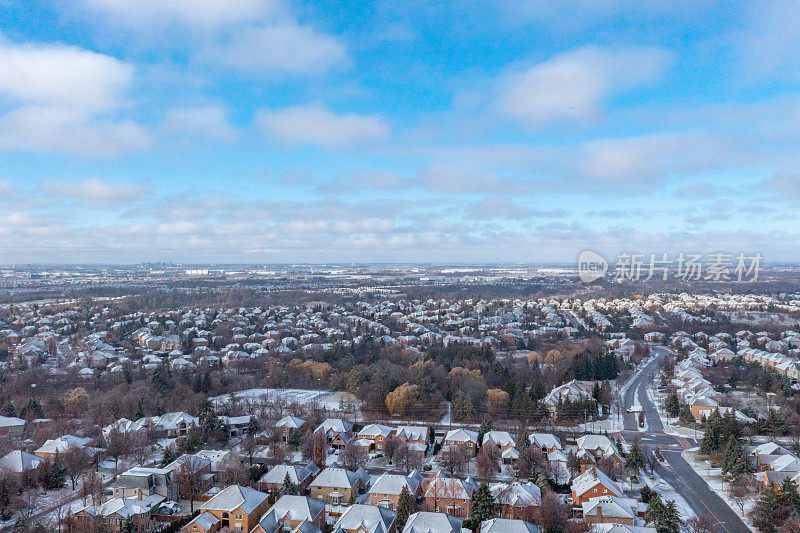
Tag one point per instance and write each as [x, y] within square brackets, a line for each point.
[328, 399]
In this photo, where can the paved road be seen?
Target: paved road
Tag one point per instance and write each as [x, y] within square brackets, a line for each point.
[678, 473]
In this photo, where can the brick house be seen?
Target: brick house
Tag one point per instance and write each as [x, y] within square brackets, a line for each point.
[337, 486]
[291, 512]
[287, 425]
[236, 507]
[301, 476]
[516, 500]
[385, 491]
[591, 484]
[450, 495]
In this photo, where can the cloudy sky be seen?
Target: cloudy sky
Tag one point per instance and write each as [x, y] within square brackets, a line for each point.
[279, 131]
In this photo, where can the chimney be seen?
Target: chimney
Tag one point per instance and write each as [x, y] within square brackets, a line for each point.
[139, 494]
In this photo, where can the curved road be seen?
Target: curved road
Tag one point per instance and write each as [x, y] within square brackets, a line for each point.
[678, 473]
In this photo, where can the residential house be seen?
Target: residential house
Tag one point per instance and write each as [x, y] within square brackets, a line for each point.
[288, 425]
[502, 439]
[611, 510]
[546, 441]
[360, 518]
[19, 461]
[11, 426]
[505, 525]
[415, 437]
[235, 507]
[591, 484]
[338, 432]
[517, 500]
[116, 513]
[52, 447]
[301, 476]
[574, 391]
[373, 435]
[337, 486]
[145, 482]
[599, 447]
[450, 495]
[293, 513]
[385, 491]
[462, 437]
[430, 522]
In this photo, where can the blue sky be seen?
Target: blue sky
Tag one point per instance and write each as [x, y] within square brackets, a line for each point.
[276, 131]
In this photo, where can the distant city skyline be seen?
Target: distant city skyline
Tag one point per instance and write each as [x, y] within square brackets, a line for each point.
[275, 131]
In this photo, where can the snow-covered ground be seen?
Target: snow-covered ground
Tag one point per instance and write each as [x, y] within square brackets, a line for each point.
[670, 424]
[608, 425]
[713, 477]
[668, 492]
[328, 399]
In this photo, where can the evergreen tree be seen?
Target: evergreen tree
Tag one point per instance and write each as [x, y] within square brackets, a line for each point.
[672, 405]
[771, 509]
[168, 456]
[484, 428]
[288, 486]
[252, 427]
[482, 508]
[129, 526]
[294, 439]
[406, 506]
[735, 462]
[636, 459]
[5, 499]
[664, 517]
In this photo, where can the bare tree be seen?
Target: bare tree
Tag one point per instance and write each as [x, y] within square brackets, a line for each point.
[742, 490]
[60, 512]
[92, 487]
[390, 446]
[414, 459]
[75, 461]
[529, 463]
[277, 453]
[190, 475]
[234, 473]
[554, 514]
[307, 446]
[454, 460]
[141, 448]
[400, 457]
[249, 446]
[487, 461]
[353, 456]
[29, 507]
[118, 445]
[320, 449]
[700, 524]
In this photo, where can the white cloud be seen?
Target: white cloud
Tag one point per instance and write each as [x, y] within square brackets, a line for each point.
[62, 76]
[255, 37]
[62, 99]
[208, 122]
[572, 86]
[313, 124]
[200, 14]
[767, 49]
[61, 130]
[286, 47]
[94, 192]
